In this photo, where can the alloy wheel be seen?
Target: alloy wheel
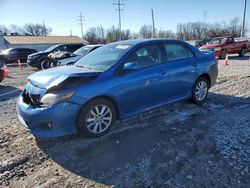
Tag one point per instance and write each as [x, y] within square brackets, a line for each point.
[98, 119]
[201, 90]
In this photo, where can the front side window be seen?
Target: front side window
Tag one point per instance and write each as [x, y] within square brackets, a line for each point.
[146, 56]
[218, 41]
[230, 40]
[177, 52]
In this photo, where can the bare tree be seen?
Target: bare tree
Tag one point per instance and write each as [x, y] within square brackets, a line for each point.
[146, 31]
[37, 29]
[165, 34]
[113, 34]
[95, 35]
[126, 34]
[16, 30]
[3, 30]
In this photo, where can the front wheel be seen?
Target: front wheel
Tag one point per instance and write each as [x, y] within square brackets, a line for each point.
[223, 54]
[242, 53]
[200, 91]
[96, 118]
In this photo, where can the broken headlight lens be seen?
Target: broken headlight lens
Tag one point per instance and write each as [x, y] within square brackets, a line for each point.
[51, 99]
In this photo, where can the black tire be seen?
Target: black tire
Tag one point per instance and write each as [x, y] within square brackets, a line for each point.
[86, 113]
[195, 97]
[3, 62]
[1, 75]
[48, 63]
[223, 54]
[242, 52]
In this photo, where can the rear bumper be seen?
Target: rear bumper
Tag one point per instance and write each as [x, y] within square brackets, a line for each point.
[61, 117]
[213, 73]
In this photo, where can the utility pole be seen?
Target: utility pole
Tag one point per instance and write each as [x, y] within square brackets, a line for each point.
[153, 21]
[204, 24]
[244, 18]
[81, 20]
[70, 32]
[119, 9]
[44, 29]
[102, 30]
[205, 17]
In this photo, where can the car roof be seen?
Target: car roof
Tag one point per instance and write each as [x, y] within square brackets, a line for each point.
[94, 45]
[142, 41]
[19, 48]
[223, 37]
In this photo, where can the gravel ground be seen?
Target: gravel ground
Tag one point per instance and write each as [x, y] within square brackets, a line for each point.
[179, 145]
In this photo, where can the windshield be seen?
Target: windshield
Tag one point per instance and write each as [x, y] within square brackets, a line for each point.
[103, 57]
[83, 50]
[218, 41]
[51, 48]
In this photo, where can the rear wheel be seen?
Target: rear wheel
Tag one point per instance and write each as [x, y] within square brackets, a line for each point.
[1, 75]
[200, 91]
[96, 117]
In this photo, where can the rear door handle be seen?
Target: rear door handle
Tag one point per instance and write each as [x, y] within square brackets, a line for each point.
[163, 72]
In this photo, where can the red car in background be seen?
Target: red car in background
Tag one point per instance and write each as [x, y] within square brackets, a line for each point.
[221, 46]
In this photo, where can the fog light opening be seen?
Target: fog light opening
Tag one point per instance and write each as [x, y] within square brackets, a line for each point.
[46, 126]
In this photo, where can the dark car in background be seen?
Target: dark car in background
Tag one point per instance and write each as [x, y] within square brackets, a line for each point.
[35, 59]
[11, 55]
[78, 54]
[1, 72]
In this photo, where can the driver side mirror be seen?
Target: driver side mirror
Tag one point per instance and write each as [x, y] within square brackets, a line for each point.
[130, 66]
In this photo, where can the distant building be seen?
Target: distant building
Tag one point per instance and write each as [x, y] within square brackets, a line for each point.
[39, 43]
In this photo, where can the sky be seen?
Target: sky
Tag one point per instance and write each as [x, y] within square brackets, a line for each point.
[62, 15]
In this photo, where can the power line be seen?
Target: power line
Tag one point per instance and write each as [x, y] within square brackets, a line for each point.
[244, 18]
[119, 9]
[81, 20]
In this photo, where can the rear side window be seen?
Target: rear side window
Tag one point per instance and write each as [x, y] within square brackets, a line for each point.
[72, 48]
[146, 56]
[177, 52]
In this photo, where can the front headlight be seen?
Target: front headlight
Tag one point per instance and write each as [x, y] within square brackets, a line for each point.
[217, 49]
[51, 99]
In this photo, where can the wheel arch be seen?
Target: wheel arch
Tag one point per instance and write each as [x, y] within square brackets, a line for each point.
[110, 99]
[205, 75]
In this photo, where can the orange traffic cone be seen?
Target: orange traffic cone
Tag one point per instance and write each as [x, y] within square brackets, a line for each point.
[19, 65]
[226, 62]
[6, 72]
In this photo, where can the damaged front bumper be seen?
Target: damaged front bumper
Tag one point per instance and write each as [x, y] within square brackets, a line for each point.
[55, 121]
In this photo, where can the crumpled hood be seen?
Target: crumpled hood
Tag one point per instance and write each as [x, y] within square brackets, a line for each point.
[39, 53]
[54, 76]
[68, 60]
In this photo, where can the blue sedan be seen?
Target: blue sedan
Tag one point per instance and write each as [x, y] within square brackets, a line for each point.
[115, 81]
